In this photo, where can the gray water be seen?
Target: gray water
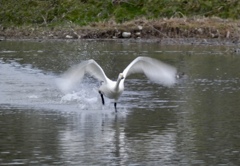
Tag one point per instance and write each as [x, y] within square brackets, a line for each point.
[195, 122]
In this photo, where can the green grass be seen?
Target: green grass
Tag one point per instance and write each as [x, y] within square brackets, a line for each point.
[84, 12]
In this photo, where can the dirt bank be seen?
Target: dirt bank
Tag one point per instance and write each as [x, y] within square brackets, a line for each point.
[172, 31]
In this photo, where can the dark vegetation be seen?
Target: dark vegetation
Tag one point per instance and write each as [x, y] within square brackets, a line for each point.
[101, 18]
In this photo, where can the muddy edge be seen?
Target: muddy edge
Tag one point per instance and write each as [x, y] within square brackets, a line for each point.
[207, 31]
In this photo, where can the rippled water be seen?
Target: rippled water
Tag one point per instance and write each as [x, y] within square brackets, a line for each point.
[196, 122]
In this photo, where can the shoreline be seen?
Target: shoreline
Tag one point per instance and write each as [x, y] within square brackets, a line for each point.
[187, 31]
[163, 41]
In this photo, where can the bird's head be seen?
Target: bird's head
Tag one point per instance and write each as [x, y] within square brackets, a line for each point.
[120, 76]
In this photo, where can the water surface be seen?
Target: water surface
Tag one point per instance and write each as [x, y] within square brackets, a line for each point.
[194, 122]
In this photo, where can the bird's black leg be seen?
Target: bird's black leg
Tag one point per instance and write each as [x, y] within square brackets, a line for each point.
[102, 97]
[115, 106]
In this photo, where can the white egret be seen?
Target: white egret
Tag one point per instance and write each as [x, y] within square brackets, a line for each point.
[153, 69]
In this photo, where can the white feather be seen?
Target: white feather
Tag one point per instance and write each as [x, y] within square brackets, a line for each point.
[154, 70]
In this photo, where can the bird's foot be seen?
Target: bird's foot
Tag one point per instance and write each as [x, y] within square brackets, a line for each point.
[115, 106]
[102, 97]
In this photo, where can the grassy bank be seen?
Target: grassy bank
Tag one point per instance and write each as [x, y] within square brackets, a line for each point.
[83, 12]
[109, 18]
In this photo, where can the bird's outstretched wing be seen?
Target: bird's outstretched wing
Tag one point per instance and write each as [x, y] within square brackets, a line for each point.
[75, 74]
[154, 70]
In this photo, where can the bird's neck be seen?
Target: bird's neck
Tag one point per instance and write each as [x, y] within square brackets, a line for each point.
[118, 83]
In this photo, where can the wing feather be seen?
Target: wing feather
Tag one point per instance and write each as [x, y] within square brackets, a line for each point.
[154, 70]
[76, 73]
